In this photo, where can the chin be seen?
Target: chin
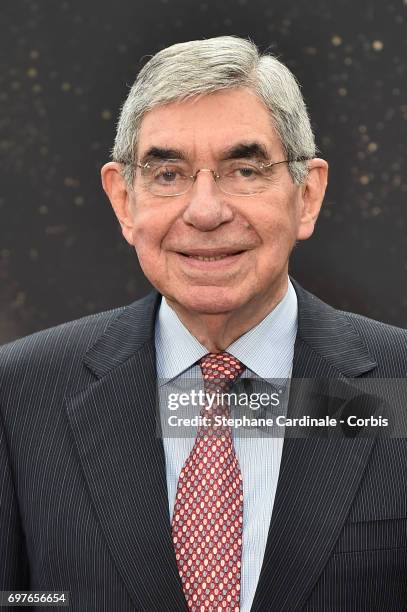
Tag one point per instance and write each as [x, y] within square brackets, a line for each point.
[209, 300]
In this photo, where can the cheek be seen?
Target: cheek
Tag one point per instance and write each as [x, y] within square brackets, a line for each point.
[149, 229]
[151, 226]
[278, 230]
[278, 237]
[147, 237]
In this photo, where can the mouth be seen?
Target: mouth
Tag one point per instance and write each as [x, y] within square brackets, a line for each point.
[214, 261]
[209, 255]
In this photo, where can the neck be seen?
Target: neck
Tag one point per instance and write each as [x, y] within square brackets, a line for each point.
[217, 331]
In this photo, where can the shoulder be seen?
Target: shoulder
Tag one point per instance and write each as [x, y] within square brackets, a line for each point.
[315, 314]
[75, 336]
[58, 352]
[49, 359]
[346, 338]
[380, 338]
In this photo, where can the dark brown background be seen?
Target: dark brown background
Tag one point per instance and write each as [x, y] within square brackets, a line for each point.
[65, 70]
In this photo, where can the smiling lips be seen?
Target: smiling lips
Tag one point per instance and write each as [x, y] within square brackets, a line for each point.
[202, 258]
[210, 255]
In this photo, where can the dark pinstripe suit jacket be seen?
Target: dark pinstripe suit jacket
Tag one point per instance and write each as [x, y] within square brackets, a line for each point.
[83, 502]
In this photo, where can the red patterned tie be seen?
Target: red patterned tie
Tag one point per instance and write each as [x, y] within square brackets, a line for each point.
[208, 513]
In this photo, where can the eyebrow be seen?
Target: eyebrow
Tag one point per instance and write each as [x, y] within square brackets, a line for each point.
[245, 150]
[241, 150]
[160, 153]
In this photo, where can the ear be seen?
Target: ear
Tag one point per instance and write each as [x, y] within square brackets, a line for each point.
[117, 192]
[311, 197]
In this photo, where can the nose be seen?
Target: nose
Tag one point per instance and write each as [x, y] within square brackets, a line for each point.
[207, 208]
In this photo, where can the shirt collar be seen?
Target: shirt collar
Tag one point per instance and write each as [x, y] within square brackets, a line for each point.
[267, 349]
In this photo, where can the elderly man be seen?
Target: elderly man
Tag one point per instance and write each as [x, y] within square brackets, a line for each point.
[214, 179]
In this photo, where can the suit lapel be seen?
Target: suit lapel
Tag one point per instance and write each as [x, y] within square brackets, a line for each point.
[113, 422]
[318, 476]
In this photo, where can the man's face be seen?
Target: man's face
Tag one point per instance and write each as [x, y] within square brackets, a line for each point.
[206, 251]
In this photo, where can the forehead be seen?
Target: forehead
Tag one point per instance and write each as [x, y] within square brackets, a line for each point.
[208, 124]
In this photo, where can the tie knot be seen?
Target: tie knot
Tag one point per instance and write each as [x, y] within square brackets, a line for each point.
[220, 369]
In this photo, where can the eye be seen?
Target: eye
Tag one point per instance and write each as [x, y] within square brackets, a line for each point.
[165, 175]
[243, 171]
[247, 172]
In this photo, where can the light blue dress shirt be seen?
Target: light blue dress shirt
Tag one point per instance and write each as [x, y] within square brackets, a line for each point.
[267, 351]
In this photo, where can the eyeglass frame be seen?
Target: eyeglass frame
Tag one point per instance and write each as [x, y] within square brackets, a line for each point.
[217, 176]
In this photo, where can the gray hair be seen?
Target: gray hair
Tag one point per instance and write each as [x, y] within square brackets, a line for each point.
[200, 67]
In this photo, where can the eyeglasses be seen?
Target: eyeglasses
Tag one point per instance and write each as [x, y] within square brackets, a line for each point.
[237, 177]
